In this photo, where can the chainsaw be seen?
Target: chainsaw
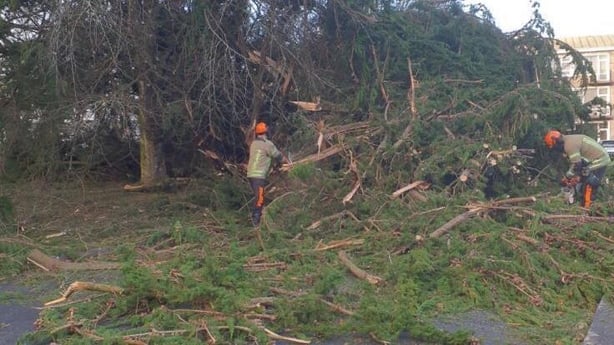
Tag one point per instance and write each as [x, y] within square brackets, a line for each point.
[569, 187]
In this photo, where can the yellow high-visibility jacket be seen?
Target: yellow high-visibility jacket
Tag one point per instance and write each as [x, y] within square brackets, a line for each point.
[579, 146]
[261, 152]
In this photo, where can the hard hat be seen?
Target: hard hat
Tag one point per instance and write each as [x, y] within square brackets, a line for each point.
[551, 138]
[261, 128]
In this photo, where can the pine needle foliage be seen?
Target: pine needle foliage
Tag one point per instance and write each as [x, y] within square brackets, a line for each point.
[482, 101]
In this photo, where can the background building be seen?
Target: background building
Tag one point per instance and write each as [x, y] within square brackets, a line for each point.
[600, 51]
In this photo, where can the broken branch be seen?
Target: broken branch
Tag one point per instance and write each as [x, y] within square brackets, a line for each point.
[444, 229]
[420, 183]
[359, 273]
[85, 286]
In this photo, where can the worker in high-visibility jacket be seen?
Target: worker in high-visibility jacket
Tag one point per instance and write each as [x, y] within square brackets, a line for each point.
[262, 153]
[589, 161]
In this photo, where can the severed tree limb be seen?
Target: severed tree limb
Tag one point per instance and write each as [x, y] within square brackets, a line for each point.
[341, 214]
[380, 81]
[260, 316]
[263, 266]
[359, 273]
[333, 306]
[83, 286]
[527, 239]
[215, 157]
[415, 184]
[328, 152]
[357, 184]
[444, 229]
[347, 128]
[348, 197]
[274, 68]
[378, 340]
[338, 244]
[411, 98]
[276, 336]
[607, 239]
[285, 292]
[338, 308]
[520, 200]
[577, 218]
[411, 93]
[308, 106]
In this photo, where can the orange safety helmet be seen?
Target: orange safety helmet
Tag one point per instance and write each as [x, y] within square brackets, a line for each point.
[551, 138]
[261, 128]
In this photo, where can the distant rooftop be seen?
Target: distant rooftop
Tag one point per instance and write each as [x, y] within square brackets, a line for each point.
[589, 42]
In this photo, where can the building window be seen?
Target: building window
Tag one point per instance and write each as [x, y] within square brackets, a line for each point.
[603, 130]
[601, 64]
[602, 92]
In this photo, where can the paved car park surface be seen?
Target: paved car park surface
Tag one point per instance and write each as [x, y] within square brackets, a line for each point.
[17, 316]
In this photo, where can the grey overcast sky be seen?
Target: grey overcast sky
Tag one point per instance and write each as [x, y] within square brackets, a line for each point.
[567, 17]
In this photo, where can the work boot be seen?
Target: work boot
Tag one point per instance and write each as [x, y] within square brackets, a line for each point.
[256, 217]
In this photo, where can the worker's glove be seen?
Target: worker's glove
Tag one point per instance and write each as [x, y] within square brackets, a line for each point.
[570, 181]
[593, 181]
[570, 174]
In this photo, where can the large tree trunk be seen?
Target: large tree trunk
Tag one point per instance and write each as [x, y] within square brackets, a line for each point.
[152, 161]
[153, 165]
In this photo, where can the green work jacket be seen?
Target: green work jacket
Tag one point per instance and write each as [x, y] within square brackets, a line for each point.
[261, 152]
[579, 146]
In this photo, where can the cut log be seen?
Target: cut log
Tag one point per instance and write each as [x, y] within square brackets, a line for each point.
[466, 175]
[359, 273]
[48, 263]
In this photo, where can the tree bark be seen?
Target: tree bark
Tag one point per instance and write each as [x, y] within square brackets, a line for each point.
[152, 162]
[153, 165]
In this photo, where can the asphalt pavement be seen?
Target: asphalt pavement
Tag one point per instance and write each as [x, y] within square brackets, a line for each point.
[17, 313]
